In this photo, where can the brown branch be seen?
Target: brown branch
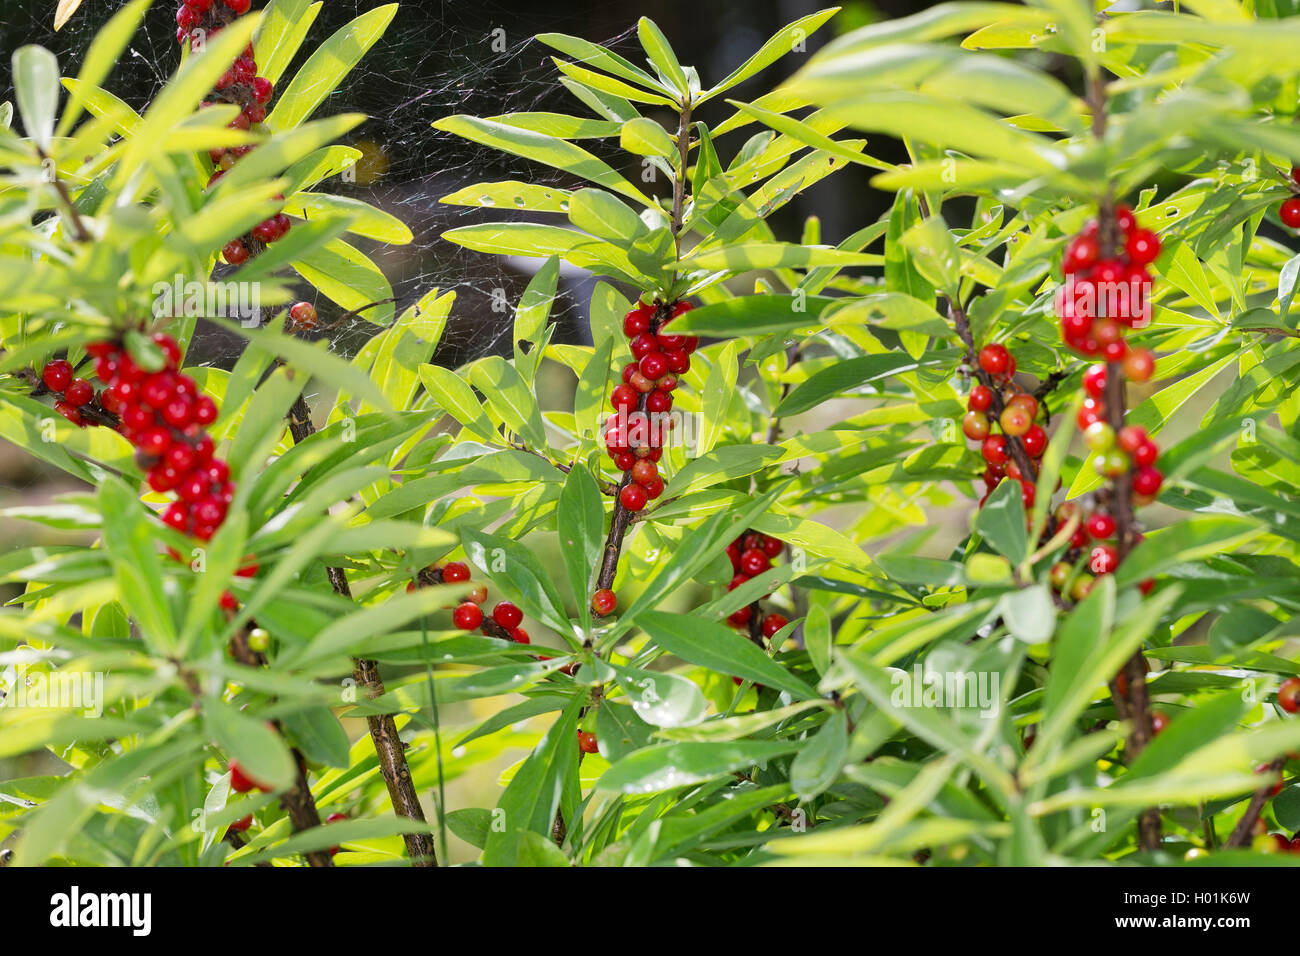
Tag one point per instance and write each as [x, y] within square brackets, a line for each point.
[79, 229]
[1241, 833]
[1137, 707]
[383, 729]
[297, 801]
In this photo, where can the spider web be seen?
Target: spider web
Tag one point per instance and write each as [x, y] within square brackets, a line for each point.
[438, 59]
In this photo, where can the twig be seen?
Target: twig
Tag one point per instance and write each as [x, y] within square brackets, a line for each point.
[1137, 707]
[79, 229]
[297, 801]
[1241, 833]
[383, 729]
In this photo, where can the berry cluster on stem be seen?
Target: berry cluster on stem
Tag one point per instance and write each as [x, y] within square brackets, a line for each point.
[751, 554]
[995, 401]
[197, 22]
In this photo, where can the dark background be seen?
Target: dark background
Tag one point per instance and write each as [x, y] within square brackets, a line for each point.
[437, 59]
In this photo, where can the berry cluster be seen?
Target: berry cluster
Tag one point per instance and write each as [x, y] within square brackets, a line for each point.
[165, 417]
[1115, 454]
[197, 22]
[634, 434]
[1094, 537]
[1014, 413]
[751, 554]
[1105, 293]
[76, 398]
[505, 618]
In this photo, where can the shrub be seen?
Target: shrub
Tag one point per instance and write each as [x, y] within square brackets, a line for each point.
[754, 595]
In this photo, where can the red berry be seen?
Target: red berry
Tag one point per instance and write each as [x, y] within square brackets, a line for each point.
[1289, 213]
[773, 623]
[633, 497]
[980, 399]
[1082, 253]
[234, 252]
[604, 601]
[1035, 441]
[1094, 380]
[741, 618]
[636, 322]
[754, 561]
[644, 471]
[178, 412]
[455, 571]
[975, 426]
[643, 345]
[507, 615]
[155, 441]
[995, 359]
[57, 375]
[1139, 365]
[1158, 722]
[302, 315]
[587, 742]
[679, 362]
[1103, 560]
[1146, 453]
[658, 402]
[1147, 480]
[249, 570]
[209, 511]
[519, 635]
[205, 410]
[1130, 438]
[1142, 247]
[238, 7]
[1101, 527]
[263, 89]
[1091, 410]
[467, 616]
[176, 516]
[164, 478]
[654, 365]
[239, 782]
[1125, 219]
[1288, 695]
[624, 398]
[995, 449]
[624, 460]
[242, 824]
[772, 547]
[230, 603]
[653, 488]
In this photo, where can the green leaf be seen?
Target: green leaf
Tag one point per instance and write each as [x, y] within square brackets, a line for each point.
[719, 648]
[261, 752]
[601, 214]
[670, 766]
[581, 520]
[455, 397]
[645, 137]
[822, 757]
[532, 798]
[509, 396]
[1001, 522]
[531, 316]
[36, 90]
[327, 66]
[518, 572]
[845, 376]
[548, 150]
[660, 699]
[1185, 542]
[661, 54]
[778, 45]
[318, 734]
